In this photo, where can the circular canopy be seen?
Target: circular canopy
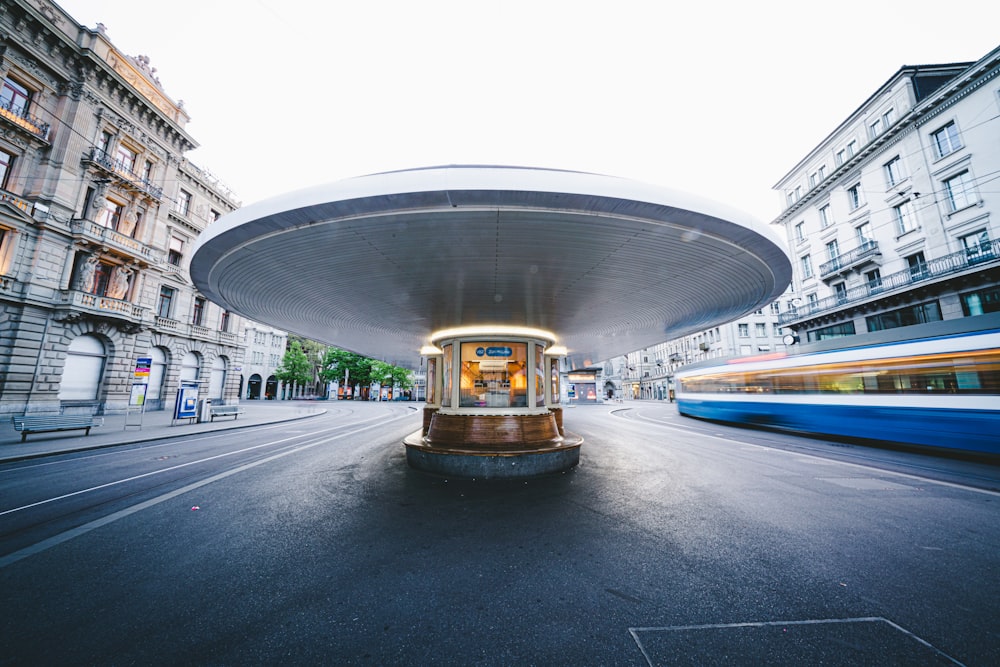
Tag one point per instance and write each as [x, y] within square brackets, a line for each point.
[377, 264]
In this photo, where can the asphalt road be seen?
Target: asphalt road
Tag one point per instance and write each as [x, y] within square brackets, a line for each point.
[674, 542]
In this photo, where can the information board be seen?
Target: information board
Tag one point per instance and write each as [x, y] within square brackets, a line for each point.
[187, 401]
[138, 396]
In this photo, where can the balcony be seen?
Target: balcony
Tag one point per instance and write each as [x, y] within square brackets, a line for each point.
[27, 207]
[980, 257]
[80, 304]
[167, 324]
[198, 331]
[183, 330]
[863, 254]
[228, 338]
[87, 230]
[25, 121]
[122, 174]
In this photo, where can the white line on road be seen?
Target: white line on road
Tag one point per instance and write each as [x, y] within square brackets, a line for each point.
[868, 468]
[97, 523]
[764, 624]
[149, 474]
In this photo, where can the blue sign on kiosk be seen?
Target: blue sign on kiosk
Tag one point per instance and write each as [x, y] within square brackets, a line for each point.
[495, 351]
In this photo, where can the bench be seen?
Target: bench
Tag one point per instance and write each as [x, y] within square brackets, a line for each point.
[233, 411]
[45, 423]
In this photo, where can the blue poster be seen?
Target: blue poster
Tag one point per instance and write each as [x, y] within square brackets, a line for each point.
[187, 401]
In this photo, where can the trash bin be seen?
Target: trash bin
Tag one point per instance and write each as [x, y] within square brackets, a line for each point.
[204, 410]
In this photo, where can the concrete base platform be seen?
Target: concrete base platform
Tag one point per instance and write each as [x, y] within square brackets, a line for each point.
[509, 464]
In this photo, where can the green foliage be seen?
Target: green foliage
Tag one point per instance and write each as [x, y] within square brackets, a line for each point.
[389, 375]
[295, 366]
[313, 350]
[362, 370]
[336, 362]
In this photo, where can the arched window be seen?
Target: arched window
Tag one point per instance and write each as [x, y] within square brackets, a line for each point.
[190, 367]
[157, 372]
[81, 377]
[217, 380]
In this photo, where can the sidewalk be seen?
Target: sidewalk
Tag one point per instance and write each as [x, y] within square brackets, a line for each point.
[154, 426]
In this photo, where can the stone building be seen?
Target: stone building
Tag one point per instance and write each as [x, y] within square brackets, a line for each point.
[265, 351]
[892, 220]
[648, 373]
[99, 209]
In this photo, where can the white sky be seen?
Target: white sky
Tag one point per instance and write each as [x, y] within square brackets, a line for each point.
[719, 99]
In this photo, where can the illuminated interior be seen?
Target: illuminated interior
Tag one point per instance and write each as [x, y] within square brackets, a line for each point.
[500, 374]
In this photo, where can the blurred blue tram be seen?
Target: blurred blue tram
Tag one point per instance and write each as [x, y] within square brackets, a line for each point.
[940, 389]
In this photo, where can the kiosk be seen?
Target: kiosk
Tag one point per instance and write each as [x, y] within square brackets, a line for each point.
[493, 406]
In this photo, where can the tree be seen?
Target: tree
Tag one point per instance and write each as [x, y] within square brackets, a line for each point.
[362, 371]
[337, 363]
[314, 352]
[295, 368]
[388, 375]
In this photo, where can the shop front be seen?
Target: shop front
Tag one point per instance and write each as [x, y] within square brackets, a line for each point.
[582, 386]
[493, 407]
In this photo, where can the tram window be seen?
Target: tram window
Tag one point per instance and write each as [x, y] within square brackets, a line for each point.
[934, 382]
[794, 381]
[887, 384]
[972, 373]
[989, 378]
[841, 383]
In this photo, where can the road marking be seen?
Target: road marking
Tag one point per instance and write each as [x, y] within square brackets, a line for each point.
[765, 624]
[65, 536]
[868, 468]
[155, 472]
[866, 484]
[113, 450]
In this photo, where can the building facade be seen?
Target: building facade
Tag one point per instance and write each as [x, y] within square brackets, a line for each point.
[892, 220]
[99, 209]
[265, 351]
[647, 374]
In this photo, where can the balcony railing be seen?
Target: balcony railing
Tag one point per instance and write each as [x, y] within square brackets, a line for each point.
[92, 231]
[196, 331]
[123, 173]
[941, 267]
[849, 260]
[167, 324]
[199, 331]
[25, 121]
[29, 208]
[102, 305]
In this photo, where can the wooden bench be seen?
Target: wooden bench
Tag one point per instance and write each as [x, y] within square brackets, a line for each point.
[45, 423]
[233, 411]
